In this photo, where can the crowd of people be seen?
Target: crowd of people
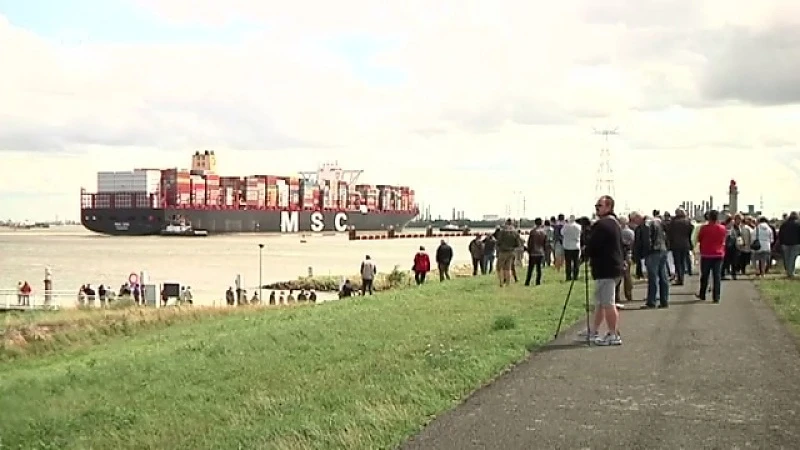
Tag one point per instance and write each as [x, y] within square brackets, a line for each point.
[663, 248]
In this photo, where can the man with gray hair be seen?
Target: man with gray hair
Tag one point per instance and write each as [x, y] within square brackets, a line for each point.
[651, 244]
[627, 252]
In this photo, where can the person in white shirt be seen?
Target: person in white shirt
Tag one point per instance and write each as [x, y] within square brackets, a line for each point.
[571, 234]
[761, 246]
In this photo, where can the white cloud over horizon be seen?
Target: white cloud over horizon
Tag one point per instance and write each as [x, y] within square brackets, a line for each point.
[466, 102]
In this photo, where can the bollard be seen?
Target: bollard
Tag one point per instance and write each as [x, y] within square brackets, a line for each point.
[310, 272]
[429, 231]
[48, 286]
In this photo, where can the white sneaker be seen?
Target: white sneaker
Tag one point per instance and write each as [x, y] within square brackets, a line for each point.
[609, 339]
[583, 335]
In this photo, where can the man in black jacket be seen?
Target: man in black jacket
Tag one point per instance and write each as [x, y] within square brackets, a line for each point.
[444, 256]
[679, 238]
[789, 238]
[604, 250]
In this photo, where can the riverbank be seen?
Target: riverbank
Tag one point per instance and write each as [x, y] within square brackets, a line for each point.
[360, 374]
[383, 281]
[45, 331]
[783, 295]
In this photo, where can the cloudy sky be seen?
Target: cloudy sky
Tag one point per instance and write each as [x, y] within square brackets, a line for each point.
[466, 101]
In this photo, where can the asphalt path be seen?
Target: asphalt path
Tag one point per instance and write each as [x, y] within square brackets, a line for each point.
[694, 376]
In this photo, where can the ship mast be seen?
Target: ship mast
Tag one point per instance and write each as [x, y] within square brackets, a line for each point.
[332, 172]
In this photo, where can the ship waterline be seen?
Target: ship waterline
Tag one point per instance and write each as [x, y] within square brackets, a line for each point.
[150, 221]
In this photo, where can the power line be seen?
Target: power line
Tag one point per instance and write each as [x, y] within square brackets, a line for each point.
[605, 173]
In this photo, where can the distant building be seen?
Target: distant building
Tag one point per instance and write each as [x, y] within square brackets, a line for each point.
[491, 217]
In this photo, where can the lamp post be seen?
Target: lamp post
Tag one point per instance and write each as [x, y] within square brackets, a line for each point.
[260, 265]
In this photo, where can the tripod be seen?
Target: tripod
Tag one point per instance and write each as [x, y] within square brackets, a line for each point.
[586, 295]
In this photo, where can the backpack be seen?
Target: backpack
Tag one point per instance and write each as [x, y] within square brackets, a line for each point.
[559, 238]
[730, 239]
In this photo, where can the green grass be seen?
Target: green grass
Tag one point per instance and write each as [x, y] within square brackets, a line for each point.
[360, 374]
[784, 297]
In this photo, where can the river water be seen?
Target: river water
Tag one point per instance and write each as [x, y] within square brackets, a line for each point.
[209, 265]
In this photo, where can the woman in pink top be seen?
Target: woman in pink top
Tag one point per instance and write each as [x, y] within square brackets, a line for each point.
[712, 252]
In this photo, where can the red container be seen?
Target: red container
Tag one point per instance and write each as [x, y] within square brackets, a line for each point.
[355, 200]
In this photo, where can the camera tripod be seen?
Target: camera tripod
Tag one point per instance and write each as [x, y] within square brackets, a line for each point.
[586, 296]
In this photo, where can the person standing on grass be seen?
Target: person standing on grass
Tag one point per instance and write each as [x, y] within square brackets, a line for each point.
[605, 255]
[571, 240]
[489, 249]
[368, 272]
[422, 265]
[476, 252]
[537, 249]
[508, 240]
[558, 242]
[711, 237]
[789, 238]
[444, 256]
[548, 251]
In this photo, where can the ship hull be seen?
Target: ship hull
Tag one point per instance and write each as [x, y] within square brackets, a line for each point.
[150, 221]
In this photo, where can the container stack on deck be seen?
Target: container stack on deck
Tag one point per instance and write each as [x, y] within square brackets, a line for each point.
[204, 189]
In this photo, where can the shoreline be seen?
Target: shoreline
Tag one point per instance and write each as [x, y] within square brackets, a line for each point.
[384, 281]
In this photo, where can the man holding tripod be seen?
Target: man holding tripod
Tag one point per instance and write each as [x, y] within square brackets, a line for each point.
[604, 254]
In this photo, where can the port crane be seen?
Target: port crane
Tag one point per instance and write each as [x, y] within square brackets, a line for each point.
[330, 171]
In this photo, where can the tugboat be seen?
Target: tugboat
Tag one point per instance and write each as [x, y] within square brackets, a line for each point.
[453, 228]
[183, 229]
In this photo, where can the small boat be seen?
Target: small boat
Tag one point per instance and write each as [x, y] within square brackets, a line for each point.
[451, 228]
[182, 229]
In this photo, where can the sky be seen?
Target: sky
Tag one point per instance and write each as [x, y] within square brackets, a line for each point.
[476, 104]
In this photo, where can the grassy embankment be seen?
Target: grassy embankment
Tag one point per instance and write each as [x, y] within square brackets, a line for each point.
[365, 373]
[784, 297]
[41, 332]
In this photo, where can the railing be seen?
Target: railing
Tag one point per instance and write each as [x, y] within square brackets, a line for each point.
[13, 300]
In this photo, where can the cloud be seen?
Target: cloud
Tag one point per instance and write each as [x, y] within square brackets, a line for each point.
[467, 102]
[761, 67]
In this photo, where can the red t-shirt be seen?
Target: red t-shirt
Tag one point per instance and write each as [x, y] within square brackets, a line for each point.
[712, 240]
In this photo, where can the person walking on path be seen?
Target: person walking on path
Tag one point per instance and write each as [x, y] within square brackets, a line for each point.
[444, 256]
[711, 237]
[422, 265]
[653, 247]
[679, 235]
[763, 237]
[605, 256]
[368, 271]
[626, 283]
[789, 238]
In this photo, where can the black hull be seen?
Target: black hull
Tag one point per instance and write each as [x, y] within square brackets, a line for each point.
[149, 221]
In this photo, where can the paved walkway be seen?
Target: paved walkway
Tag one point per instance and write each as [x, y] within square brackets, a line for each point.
[694, 376]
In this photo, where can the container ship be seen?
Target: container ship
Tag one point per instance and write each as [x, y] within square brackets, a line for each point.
[144, 202]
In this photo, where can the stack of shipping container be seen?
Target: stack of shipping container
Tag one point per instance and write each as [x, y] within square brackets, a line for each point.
[176, 187]
[145, 188]
[212, 190]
